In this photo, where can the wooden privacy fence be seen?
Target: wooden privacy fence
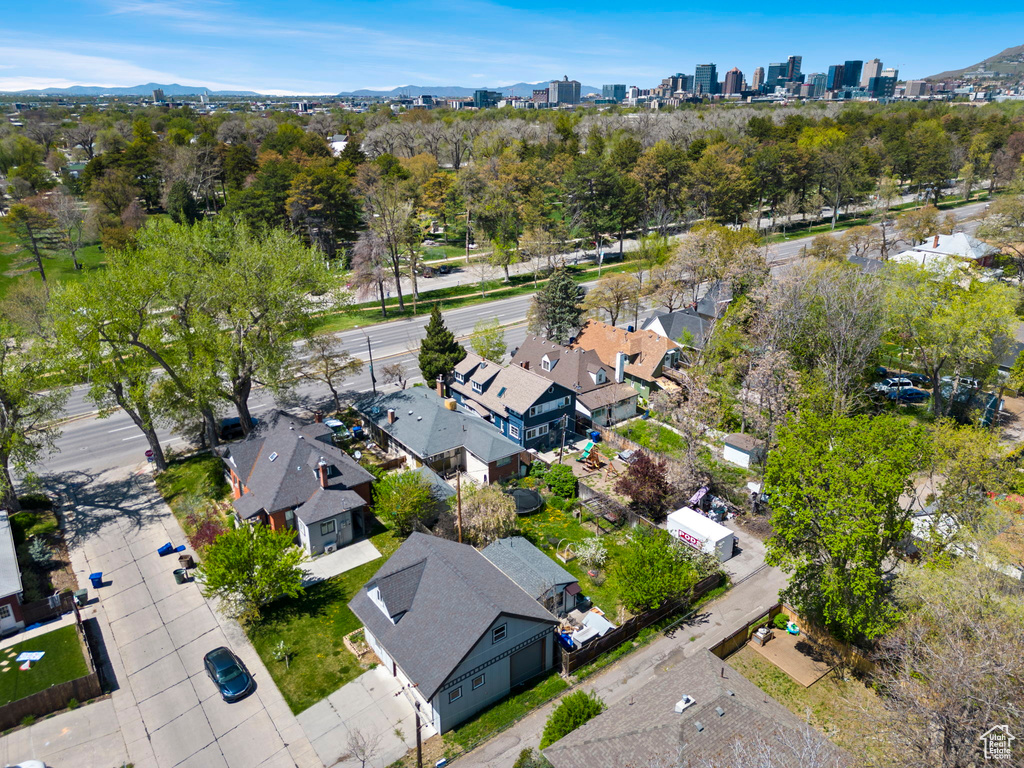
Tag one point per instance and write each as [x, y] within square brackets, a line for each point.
[44, 610]
[739, 638]
[573, 660]
[57, 696]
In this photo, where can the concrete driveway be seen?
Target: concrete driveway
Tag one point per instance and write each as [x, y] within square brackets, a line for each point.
[374, 704]
[164, 711]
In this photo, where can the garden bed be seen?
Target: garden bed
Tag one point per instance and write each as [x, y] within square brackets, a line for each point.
[42, 554]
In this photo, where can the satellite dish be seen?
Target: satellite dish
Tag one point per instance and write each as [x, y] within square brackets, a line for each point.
[358, 455]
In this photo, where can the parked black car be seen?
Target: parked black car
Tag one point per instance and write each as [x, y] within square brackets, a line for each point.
[229, 674]
[909, 395]
[919, 379]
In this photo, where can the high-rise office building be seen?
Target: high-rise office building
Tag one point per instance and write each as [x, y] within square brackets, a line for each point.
[891, 72]
[793, 69]
[564, 91]
[776, 76]
[705, 79]
[616, 91]
[758, 80]
[484, 99]
[733, 82]
[836, 75]
[851, 73]
[158, 95]
[819, 84]
[872, 68]
[882, 87]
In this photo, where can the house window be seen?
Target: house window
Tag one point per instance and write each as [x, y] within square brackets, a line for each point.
[459, 377]
[478, 682]
[327, 528]
[513, 431]
[545, 364]
[5, 611]
[503, 462]
[498, 633]
[536, 432]
[477, 387]
[289, 518]
[455, 695]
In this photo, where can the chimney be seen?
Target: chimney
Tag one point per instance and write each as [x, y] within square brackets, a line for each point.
[936, 243]
[322, 467]
[620, 367]
[318, 417]
[526, 364]
[440, 387]
[391, 415]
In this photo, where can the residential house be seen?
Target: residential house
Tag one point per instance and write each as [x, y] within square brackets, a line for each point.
[290, 475]
[684, 326]
[699, 709]
[600, 399]
[453, 628]
[11, 619]
[742, 450]
[525, 407]
[637, 357]
[715, 301]
[958, 247]
[537, 574]
[428, 429]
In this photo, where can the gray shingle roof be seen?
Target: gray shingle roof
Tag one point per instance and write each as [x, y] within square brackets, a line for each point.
[682, 324]
[504, 387]
[432, 428]
[570, 367]
[326, 503]
[457, 596]
[291, 478]
[715, 300]
[441, 488]
[645, 729]
[10, 573]
[527, 566]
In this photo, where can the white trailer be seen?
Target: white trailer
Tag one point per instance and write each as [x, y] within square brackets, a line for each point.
[701, 533]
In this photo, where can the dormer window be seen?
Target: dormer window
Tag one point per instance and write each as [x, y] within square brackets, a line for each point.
[460, 377]
[545, 363]
[477, 387]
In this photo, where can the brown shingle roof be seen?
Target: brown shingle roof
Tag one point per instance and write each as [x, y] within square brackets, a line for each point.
[509, 387]
[645, 349]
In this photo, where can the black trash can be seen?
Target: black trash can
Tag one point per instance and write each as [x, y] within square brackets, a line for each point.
[179, 575]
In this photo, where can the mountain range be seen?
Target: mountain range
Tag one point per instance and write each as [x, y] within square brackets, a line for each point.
[172, 89]
[455, 91]
[1010, 61]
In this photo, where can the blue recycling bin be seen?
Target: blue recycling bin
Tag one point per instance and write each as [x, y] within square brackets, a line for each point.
[595, 436]
[166, 549]
[96, 579]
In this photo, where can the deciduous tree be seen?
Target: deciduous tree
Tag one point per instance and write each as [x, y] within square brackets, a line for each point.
[404, 500]
[488, 340]
[329, 363]
[617, 295]
[653, 570]
[647, 486]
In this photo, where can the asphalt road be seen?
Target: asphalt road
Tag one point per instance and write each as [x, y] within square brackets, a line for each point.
[96, 444]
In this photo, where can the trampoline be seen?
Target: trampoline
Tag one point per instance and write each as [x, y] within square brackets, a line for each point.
[527, 500]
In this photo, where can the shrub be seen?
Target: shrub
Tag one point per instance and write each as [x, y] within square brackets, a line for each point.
[72, 703]
[591, 552]
[561, 481]
[40, 553]
[575, 710]
[531, 759]
[28, 720]
[35, 501]
[781, 620]
[538, 470]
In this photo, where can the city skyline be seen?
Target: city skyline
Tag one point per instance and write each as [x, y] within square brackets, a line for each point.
[269, 47]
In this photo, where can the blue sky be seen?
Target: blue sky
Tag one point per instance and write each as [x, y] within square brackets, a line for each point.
[316, 46]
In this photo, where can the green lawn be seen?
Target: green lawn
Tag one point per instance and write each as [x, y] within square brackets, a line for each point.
[17, 263]
[32, 522]
[654, 436]
[64, 660]
[834, 706]
[201, 475]
[549, 522]
[312, 627]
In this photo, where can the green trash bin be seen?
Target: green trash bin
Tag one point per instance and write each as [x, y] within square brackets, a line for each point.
[179, 575]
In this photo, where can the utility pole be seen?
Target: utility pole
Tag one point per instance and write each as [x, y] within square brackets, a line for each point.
[458, 500]
[565, 424]
[373, 379]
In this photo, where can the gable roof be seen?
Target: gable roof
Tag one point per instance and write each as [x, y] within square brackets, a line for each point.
[526, 565]
[432, 428]
[503, 388]
[646, 729]
[715, 300]
[445, 597]
[959, 244]
[278, 464]
[572, 368]
[10, 573]
[645, 349]
[679, 325]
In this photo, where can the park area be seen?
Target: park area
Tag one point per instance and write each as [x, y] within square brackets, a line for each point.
[63, 660]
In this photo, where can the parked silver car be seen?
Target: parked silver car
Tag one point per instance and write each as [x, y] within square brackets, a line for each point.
[892, 384]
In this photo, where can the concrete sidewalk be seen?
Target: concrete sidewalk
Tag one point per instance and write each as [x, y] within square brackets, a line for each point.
[164, 711]
[344, 559]
[629, 676]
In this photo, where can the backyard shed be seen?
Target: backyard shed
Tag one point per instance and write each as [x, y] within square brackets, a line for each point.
[703, 534]
[742, 450]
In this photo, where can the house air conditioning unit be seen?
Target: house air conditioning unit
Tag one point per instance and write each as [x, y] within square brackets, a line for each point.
[330, 548]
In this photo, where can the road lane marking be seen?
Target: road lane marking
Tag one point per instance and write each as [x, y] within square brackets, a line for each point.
[133, 437]
[122, 429]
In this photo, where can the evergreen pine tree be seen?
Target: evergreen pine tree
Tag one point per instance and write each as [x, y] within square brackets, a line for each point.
[181, 205]
[556, 311]
[439, 352]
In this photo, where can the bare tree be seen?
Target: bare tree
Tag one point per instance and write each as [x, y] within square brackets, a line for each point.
[83, 136]
[323, 124]
[695, 410]
[387, 213]
[42, 133]
[329, 363]
[70, 222]
[370, 270]
[394, 373]
[362, 747]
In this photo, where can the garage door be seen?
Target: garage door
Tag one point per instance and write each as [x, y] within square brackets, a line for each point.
[527, 663]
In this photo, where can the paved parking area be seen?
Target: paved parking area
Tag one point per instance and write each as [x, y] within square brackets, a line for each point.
[164, 711]
[344, 559]
[374, 704]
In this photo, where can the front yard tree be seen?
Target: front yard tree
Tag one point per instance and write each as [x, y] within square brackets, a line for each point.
[439, 351]
[835, 485]
[29, 404]
[616, 295]
[653, 570]
[555, 312]
[488, 340]
[328, 363]
[404, 500]
[647, 486]
[249, 567]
